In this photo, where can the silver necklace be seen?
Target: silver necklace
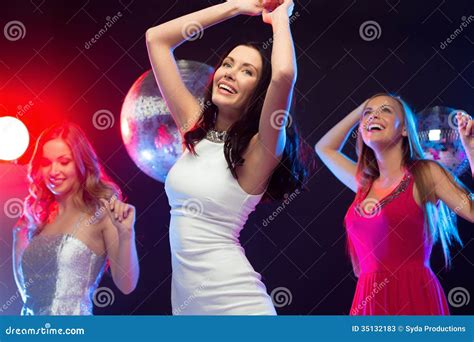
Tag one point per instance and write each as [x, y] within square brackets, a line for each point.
[216, 136]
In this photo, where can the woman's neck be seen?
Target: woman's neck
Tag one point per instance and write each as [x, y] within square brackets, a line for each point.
[390, 164]
[224, 120]
[68, 203]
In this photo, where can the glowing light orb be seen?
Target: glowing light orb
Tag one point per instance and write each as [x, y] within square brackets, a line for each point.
[14, 138]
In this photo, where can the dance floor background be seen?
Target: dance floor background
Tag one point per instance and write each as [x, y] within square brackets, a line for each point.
[48, 75]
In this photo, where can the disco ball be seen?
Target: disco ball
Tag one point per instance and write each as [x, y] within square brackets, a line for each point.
[439, 137]
[148, 131]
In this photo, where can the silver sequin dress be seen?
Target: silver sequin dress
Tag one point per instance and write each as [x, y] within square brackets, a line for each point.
[60, 275]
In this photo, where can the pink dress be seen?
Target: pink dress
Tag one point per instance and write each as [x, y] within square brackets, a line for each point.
[388, 242]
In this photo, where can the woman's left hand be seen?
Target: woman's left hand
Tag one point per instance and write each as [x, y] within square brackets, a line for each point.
[122, 216]
[466, 133]
[275, 8]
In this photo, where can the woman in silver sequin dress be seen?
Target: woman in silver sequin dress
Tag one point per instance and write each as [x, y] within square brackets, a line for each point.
[74, 224]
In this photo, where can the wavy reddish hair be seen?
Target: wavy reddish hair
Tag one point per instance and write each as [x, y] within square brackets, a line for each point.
[40, 205]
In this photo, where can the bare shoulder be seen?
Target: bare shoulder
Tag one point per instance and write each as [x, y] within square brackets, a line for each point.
[101, 222]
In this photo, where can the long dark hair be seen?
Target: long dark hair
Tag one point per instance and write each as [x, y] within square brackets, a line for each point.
[297, 160]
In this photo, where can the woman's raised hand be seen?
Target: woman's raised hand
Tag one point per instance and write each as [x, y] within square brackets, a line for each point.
[249, 7]
[466, 132]
[275, 8]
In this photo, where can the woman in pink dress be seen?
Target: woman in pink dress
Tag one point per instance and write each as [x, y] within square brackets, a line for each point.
[401, 208]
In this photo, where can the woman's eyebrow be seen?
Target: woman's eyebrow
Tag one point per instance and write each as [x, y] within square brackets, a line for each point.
[61, 156]
[244, 64]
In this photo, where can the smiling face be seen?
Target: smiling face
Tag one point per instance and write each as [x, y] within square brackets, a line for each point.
[236, 78]
[58, 168]
[382, 122]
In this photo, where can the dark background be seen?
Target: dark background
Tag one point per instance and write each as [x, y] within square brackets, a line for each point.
[303, 250]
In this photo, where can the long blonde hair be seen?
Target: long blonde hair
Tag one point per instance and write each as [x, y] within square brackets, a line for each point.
[440, 221]
[94, 185]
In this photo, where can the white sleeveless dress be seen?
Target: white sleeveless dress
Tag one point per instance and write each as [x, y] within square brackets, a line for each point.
[211, 274]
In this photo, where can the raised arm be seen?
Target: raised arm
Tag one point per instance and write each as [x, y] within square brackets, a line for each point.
[329, 149]
[456, 198]
[275, 110]
[163, 39]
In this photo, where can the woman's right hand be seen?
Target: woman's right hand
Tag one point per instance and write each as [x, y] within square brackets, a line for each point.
[248, 7]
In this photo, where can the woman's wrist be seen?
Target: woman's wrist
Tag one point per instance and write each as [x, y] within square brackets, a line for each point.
[232, 7]
[127, 236]
[281, 20]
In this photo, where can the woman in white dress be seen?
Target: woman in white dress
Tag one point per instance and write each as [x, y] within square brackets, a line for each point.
[238, 150]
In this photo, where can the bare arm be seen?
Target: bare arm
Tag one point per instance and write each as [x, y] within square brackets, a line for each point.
[454, 197]
[119, 236]
[275, 110]
[450, 194]
[329, 149]
[163, 39]
[20, 242]
[466, 134]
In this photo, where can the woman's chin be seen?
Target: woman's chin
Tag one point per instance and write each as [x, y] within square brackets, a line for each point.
[378, 144]
[59, 191]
